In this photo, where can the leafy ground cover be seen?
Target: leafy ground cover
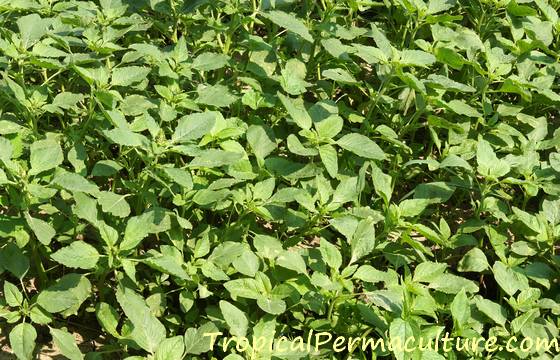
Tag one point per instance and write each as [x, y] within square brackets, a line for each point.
[271, 168]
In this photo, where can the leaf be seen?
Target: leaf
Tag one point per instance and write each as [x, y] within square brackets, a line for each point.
[13, 296]
[75, 183]
[289, 22]
[65, 343]
[363, 240]
[488, 162]
[494, 311]
[78, 254]
[462, 108]
[113, 203]
[361, 146]
[148, 331]
[128, 75]
[246, 288]
[382, 183]
[293, 77]
[125, 137]
[271, 306]
[437, 6]
[42, 229]
[474, 261]
[13, 260]
[460, 309]
[45, 155]
[108, 318]
[66, 295]
[508, 279]
[416, 58]
[208, 61]
[138, 227]
[197, 341]
[22, 341]
[167, 264]
[446, 83]
[215, 95]
[261, 139]
[428, 271]
[399, 332]
[339, 75]
[267, 246]
[212, 158]
[329, 158]
[106, 168]
[235, 319]
[170, 349]
[32, 28]
[194, 126]
[296, 109]
[293, 261]
[330, 254]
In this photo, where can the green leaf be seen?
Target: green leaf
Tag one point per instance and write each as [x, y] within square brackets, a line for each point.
[488, 162]
[209, 61]
[194, 126]
[197, 341]
[331, 255]
[32, 28]
[428, 271]
[261, 139]
[296, 110]
[148, 332]
[267, 246]
[399, 332]
[108, 318]
[75, 183]
[462, 108]
[213, 158]
[246, 288]
[289, 22]
[460, 309]
[138, 227]
[271, 306]
[42, 229]
[474, 261]
[361, 146]
[509, 280]
[363, 240]
[293, 76]
[235, 319]
[494, 311]
[78, 254]
[339, 75]
[167, 264]
[416, 58]
[13, 260]
[113, 203]
[13, 296]
[329, 158]
[66, 295]
[45, 155]
[22, 341]
[446, 83]
[125, 137]
[128, 75]
[215, 95]
[65, 343]
[292, 260]
[170, 349]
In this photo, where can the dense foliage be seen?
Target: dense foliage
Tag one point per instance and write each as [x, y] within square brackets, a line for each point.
[170, 168]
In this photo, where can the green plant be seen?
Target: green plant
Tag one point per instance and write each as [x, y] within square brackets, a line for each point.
[271, 168]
